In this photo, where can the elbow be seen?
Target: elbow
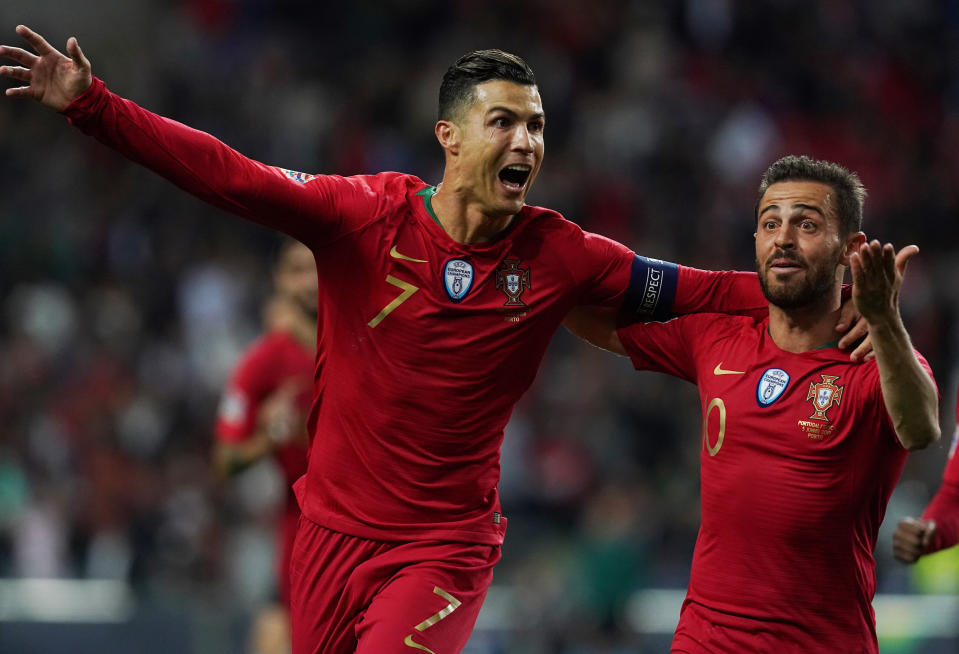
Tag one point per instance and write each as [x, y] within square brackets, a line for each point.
[920, 439]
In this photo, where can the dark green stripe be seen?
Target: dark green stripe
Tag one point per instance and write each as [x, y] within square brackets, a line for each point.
[427, 195]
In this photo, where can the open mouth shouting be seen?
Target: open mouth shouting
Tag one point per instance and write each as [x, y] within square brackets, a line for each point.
[515, 176]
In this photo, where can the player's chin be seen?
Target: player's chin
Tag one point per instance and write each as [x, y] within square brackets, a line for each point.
[512, 200]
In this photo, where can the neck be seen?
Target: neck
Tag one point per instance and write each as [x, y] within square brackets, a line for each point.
[462, 217]
[805, 328]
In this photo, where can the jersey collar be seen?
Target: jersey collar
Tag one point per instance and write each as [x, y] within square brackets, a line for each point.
[427, 195]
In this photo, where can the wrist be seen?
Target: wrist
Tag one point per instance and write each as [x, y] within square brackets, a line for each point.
[884, 321]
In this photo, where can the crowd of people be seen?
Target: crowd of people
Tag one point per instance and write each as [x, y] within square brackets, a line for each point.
[127, 303]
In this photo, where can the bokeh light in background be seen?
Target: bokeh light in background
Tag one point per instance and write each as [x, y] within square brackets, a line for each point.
[123, 302]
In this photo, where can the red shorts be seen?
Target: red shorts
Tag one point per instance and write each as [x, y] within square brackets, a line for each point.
[365, 596]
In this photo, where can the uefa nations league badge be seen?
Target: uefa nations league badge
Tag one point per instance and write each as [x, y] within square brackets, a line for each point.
[771, 386]
[458, 278]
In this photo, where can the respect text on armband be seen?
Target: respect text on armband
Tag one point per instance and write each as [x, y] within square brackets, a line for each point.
[652, 291]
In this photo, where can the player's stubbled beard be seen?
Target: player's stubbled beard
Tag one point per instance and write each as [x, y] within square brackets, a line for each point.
[816, 283]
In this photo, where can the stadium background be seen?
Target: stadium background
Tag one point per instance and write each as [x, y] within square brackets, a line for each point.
[123, 302]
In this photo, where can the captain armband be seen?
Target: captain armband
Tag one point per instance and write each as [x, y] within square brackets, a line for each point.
[652, 289]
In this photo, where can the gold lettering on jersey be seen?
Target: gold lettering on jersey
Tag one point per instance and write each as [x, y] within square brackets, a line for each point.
[824, 395]
[715, 403]
[433, 619]
[816, 430]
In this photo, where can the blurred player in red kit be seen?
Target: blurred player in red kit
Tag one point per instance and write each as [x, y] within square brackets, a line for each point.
[938, 528]
[436, 305]
[801, 447]
[263, 411]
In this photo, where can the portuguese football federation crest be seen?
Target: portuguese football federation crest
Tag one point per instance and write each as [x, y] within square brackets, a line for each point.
[823, 395]
[513, 280]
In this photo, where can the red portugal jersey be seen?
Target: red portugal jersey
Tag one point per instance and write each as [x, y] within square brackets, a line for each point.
[944, 507]
[798, 459]
[424, 344]
[270, 362]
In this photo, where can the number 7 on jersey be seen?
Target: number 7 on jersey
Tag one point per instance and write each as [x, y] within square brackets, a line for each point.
[407, 291]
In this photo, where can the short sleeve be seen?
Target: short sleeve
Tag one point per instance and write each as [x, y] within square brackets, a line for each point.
[725, 291]
[668, 347]
[601, 268]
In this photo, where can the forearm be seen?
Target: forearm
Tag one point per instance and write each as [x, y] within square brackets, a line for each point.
[907, 389]
[596, 326]
[944, 511]
[193, 160]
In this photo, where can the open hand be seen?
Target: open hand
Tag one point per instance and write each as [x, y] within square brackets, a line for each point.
[876, 280]
[51, 78]
[852, 321]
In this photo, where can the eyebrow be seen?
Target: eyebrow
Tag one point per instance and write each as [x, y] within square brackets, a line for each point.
[506, 110]
[799, 205]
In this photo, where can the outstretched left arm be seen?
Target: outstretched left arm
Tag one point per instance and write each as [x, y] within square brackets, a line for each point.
[908, 391]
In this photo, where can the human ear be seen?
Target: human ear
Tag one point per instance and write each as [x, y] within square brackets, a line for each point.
[853, 242]
[448, 134]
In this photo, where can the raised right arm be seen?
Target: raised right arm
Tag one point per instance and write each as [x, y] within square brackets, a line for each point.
[193, 160]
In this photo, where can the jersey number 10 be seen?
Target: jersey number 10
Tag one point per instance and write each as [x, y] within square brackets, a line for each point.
[715, 403]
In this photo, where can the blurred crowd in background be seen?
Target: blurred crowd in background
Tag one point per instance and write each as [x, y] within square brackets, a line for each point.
[124, 303]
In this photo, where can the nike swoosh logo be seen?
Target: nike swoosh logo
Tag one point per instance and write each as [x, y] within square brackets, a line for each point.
[396, 255]
[718, 370]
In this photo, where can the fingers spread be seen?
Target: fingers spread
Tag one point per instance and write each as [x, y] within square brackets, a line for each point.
[903, 257]
[18, 92]
[73, 49]
[889, 261]
[16, 72]
[35, 40]
[19, 55]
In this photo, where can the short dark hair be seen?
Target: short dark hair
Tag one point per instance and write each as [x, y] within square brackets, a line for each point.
[850, 193]
[456, 91]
